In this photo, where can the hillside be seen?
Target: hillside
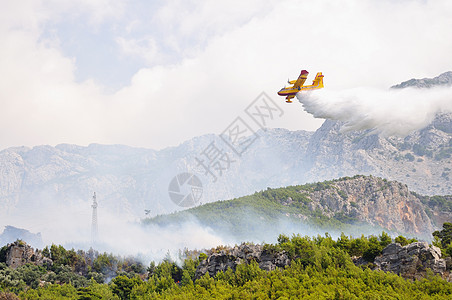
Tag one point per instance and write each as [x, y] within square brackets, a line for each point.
[422, 159]
[346, 204]
[298, 267]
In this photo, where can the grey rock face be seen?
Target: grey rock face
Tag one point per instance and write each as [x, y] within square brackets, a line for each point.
[20, 253]
[445, 79]
[413, 260]
[229, 258]
[410, 261]
[375, 201]
[422, 159]
[443, 122]
[129, 180]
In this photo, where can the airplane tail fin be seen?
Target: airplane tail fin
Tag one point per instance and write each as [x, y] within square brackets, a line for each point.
[318, 81]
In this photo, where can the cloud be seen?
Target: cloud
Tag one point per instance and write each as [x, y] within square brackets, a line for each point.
[219, 64]
[144, 47]
[188, 26]
[388, 112]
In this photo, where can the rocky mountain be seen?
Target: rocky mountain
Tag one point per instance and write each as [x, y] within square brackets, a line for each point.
[445, 79]
[128, 181]
[422, 159]
[388, 204]
[353, 205]
[11, 234]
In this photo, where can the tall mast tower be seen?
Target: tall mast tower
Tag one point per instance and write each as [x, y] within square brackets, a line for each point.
[94, 231]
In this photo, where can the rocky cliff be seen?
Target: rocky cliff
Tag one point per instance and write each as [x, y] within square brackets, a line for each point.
[229, 258]
[411, 261]
[375, 201]
[20, 253]
[422, 159]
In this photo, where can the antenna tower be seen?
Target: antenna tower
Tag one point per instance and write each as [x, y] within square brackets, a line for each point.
[94, 232]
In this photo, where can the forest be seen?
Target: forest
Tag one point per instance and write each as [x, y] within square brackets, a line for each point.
[321, 268]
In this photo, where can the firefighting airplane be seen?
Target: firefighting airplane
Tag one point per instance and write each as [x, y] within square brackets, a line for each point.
[291, 91]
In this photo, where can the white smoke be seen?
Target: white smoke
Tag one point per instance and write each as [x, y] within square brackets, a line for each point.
[388, 112]
[70, 226]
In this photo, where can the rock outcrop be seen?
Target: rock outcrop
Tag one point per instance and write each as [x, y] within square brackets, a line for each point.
[244, 253]
[19, 253]
[412, 261]
[375, 201]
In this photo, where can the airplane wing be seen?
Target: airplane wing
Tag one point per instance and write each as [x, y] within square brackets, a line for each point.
[301, 79]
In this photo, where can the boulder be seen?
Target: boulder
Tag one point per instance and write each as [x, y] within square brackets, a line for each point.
[229, 258]
[20, 253]
[412, 261]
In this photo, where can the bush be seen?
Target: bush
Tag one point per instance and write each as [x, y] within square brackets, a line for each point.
[3, 254]
[409, 157]
[445, 235]
[122, 286]
[374, 249]
[401, 240]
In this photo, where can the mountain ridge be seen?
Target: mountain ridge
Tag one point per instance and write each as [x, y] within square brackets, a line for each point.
[444, 79]
[336, 205]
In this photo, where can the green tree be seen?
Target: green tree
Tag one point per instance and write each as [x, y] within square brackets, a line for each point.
[58, 255]
[3, 254]
[10, 279]
[151, 268]
[189, 270]
[445, 235]
[31, 274]
[122, 285]
[385, 239]
[404, 241]
[449, 250]
[168, 269]
[247, 272]
[106, 264]
[401, 240]
[374, 249]
[358, 246]
[344, 243]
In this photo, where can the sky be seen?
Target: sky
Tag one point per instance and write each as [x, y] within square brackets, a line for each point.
[156, 73]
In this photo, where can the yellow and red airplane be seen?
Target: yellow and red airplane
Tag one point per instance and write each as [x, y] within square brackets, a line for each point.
[291, 91]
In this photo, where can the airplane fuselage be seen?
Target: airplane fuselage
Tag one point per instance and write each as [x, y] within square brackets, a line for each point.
[287, 91]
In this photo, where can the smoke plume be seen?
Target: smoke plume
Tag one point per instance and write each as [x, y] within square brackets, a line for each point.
[387, 112]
